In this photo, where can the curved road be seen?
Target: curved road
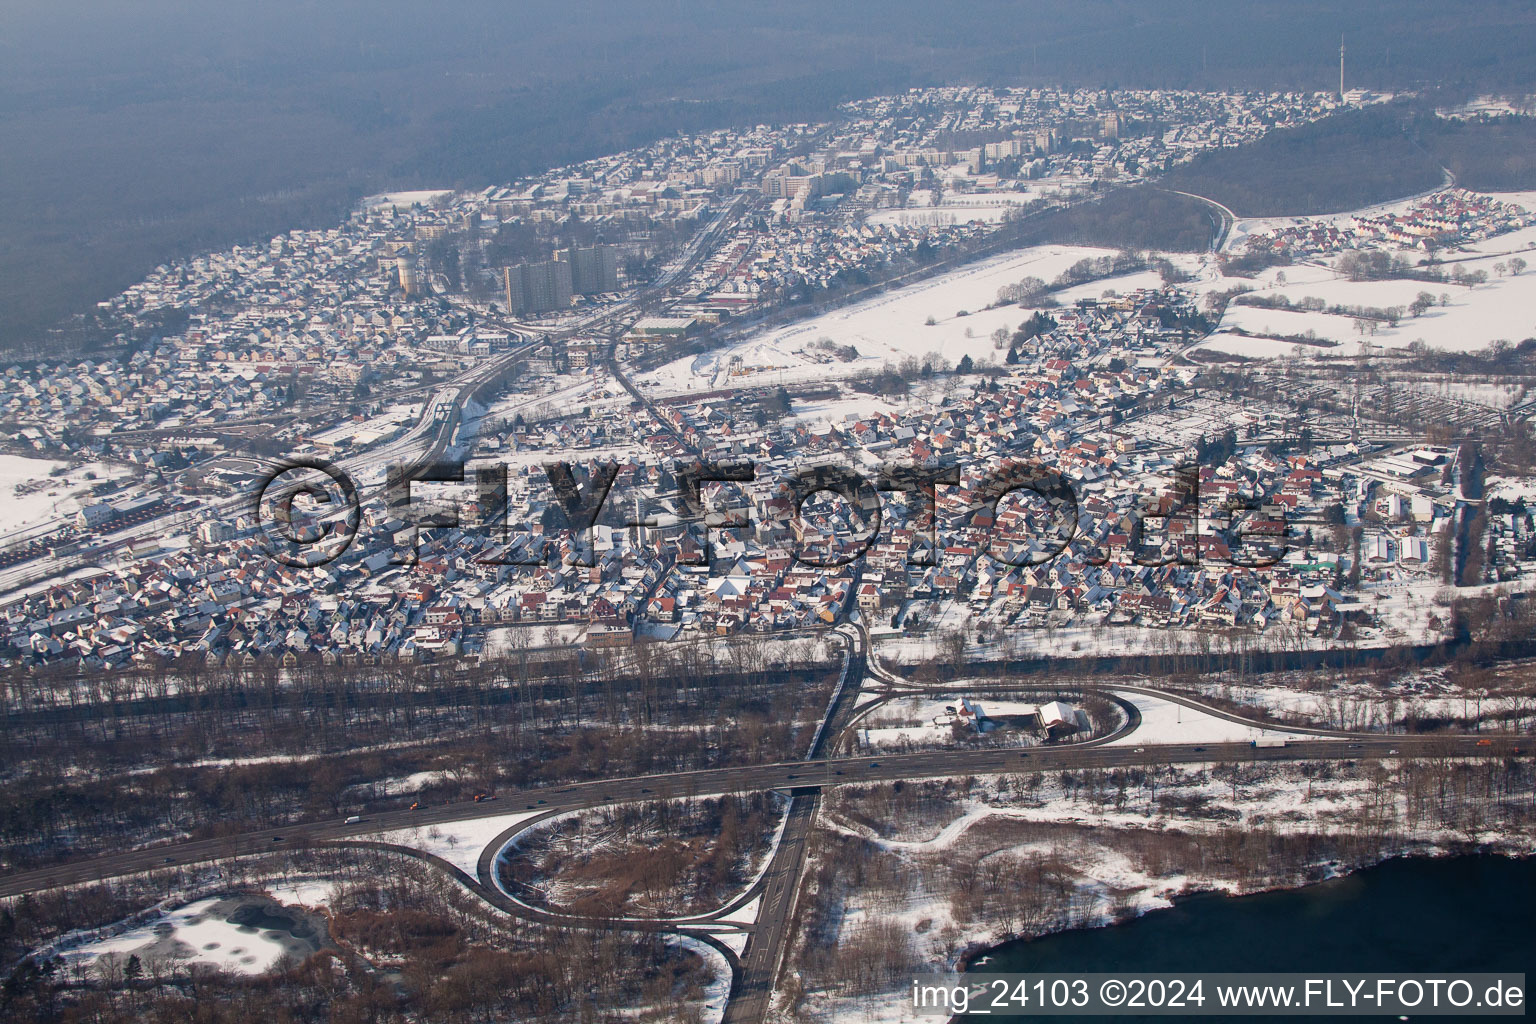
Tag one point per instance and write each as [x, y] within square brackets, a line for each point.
[788, 775]
[756, 971]
[1226, 217]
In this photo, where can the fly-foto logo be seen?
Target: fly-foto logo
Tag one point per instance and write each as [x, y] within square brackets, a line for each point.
[310, 511]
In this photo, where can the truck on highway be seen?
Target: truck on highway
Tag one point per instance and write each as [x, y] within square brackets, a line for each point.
[1269, 741]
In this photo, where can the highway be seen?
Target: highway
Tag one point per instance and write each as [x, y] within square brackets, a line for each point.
[758, 971]
[783, 775]
[755, 973]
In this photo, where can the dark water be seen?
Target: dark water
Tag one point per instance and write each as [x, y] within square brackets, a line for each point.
[1475, 913]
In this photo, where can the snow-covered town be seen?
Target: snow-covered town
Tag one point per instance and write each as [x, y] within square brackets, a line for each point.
[764, 564]
[1083, 363]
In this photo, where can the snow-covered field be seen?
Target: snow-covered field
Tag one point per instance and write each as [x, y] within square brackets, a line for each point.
[885, 329]
[1510, 488]
[46, 495]
[502, 640]
[924, 720]
[1283, 323]
[406, 198]
[960, 208]
[308, 892]
[558, 397]
[1502, 308]
[837, 410]
[1404, 605]
[1124, 284]
[1166, 721]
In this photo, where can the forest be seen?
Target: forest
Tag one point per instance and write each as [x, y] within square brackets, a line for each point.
[1343, 162]
[1361, 157]
[139, 133]
[1141, 217]
[96, 762]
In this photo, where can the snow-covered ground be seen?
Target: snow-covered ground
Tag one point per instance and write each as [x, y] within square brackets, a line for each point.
[1488, 105]
[1501, 308]
[406, 198]
[1510, 488]
[1338, 702]
[1405, 605]
[1088, 639]
[1166, 721]
[371, 429]
[885, 329]
[500, 640]
[557, 396]
[837, 410]
[307, 892]
[925, 720]
[955, 208]
[604, 834]
[747, 912]
[457, 842]
[1281, 323]
[718, 992]
[197, 933]
[1104, 836]
[1124, 284]
[43, 496]
[398, 785]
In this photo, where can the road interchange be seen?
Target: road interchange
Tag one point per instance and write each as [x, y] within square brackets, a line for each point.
[756, 969]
